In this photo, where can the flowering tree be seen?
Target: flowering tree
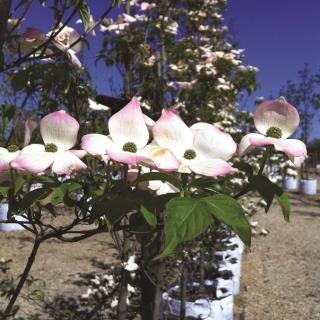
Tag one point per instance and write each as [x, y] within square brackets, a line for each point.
[168, 191]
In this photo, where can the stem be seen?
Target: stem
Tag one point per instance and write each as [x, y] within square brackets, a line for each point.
[201, 272]
[125, 178]
[23, 278]
[123, 292]
[264, 159]
[122, 302]
[183, 291]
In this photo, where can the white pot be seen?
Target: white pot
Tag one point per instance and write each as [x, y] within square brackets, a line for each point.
[290, 183]
[7, 227]
[233, 265]
[308, 186]
[200, 309]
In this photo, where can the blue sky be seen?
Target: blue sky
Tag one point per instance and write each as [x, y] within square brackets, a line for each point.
[278, 36]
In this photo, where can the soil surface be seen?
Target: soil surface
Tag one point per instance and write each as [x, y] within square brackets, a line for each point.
[280, 276]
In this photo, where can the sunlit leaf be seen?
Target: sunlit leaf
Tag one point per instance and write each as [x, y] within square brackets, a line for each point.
[186, 218]
[149, 216]
[231, 213]
[285, 205]
[18, 183]
[84, 13]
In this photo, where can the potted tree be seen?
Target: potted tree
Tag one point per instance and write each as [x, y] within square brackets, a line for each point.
[307, 101]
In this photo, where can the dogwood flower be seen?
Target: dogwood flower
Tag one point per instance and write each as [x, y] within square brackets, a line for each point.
[30, 40]
[202, 148]
[127, 142]
[67, 40]
[59, 133]
[7, 155]
[276, 120]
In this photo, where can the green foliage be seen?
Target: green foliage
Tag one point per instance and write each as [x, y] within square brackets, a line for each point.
[265, 187]
[152, 176]
[186, 218]
[83, 11]
[285, 205]
[32, 196]
[19, 80]
[230, 212]
[7, 113]
[205, 184]
[243, 166]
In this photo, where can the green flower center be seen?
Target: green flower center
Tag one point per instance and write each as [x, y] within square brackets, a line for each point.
[130, 147]
[189, 154]
[50, 147]
[274, 132]
[13, 148]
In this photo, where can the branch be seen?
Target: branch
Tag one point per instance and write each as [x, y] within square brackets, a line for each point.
[4, 14]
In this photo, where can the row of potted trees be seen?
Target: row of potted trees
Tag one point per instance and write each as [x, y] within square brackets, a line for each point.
[221, 283]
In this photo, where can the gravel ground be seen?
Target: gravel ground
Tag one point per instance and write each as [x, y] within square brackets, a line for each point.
[281, 275]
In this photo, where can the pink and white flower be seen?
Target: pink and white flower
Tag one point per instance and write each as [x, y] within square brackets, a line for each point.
[7, 155]
[59, 133]
[68, 40]
[202, 148]
[127, 142]
[30, 40]
[276, 120]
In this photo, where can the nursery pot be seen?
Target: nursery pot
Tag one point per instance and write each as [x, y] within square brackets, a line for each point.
[7, 227]
[308, 186]
[290, 183]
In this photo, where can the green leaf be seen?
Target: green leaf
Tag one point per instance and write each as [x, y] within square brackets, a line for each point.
[20, 80]
[31, 197]
[186, 219]
[18, 184]
[243, 166]
[231, 213]
[50, 208]
[4, 187]
[50, 181]
[285, 205]
[8, 112]
[59, 194]
[84, 13]
[149, 216]
[265, 187]
[158, 176]
[139, 226]
[14, 309]
[141, 197]
[205, 183]
[161, 201]
[114, 209]
[73, 186]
